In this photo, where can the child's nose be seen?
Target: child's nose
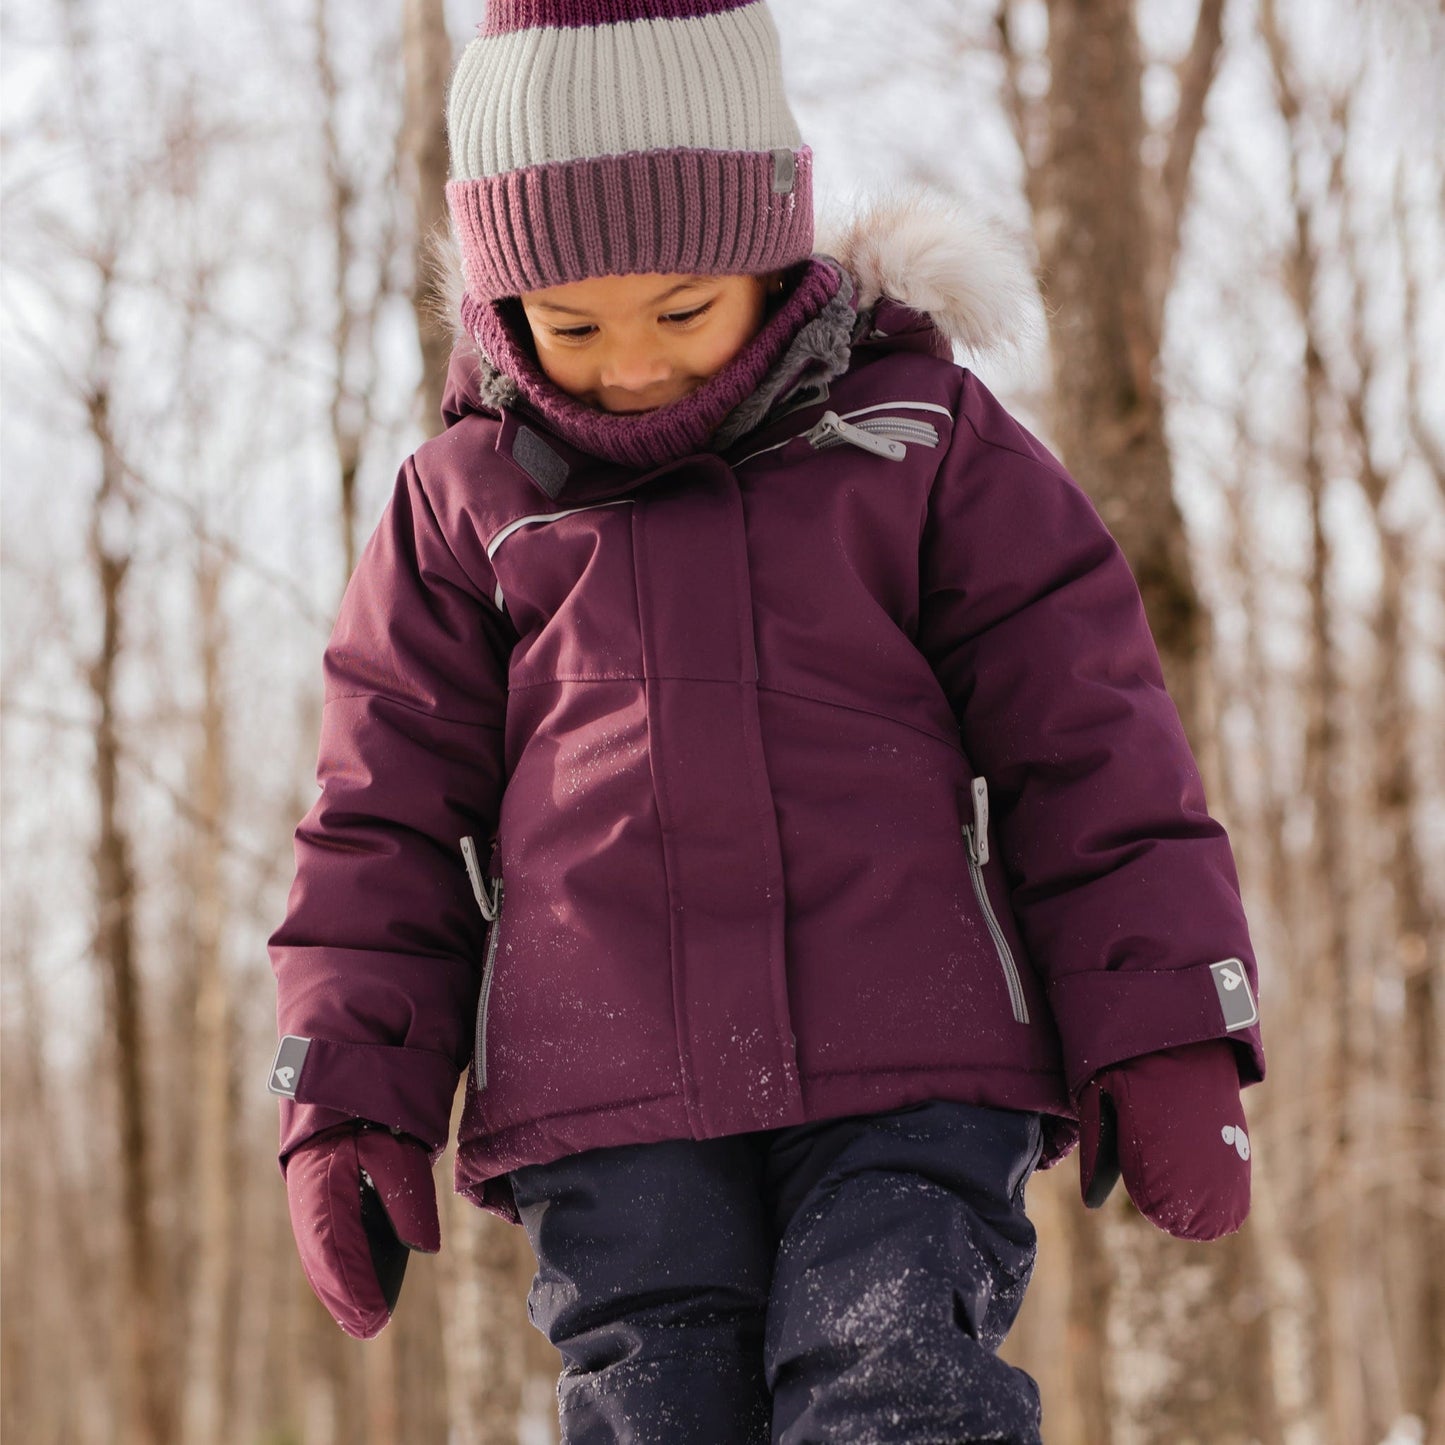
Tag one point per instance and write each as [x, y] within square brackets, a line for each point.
[632, 368]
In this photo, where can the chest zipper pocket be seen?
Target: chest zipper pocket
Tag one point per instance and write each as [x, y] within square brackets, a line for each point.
[488, 893]
[975, 836]
[884, 436]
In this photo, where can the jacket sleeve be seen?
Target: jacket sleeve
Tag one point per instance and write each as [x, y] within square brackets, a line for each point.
[1123, 886]
[376, 960]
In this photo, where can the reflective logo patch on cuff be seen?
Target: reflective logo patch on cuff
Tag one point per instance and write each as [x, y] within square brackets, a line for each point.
[286, 1067]
[1236, 1000]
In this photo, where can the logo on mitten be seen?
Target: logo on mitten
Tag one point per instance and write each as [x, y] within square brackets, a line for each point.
[1234, 1134]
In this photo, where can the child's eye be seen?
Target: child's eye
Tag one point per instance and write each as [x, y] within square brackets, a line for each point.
[681, 318]
[572, 333]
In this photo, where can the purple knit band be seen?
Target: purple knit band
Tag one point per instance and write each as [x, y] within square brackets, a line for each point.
[504, 16]
[691, 212]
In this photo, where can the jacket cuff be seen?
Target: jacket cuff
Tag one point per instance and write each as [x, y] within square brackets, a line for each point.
[323, 1082]
[1105, 1017]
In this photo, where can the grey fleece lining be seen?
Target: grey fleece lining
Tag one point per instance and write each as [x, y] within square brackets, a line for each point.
[820, 351]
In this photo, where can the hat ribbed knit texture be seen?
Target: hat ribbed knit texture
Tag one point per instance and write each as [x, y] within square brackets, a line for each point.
[608, 137]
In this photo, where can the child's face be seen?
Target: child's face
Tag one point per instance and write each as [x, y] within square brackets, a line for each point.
[632, 343]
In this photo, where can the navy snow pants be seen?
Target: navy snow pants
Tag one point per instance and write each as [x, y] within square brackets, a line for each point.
[843, 1281]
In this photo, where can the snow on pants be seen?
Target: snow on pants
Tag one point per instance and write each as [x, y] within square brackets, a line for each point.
[843, 1281]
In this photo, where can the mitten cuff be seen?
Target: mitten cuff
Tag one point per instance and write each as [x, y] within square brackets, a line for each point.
[324, 1082]
[1105, 1017]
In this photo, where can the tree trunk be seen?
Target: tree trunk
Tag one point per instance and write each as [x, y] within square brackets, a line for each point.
[485, 1320]
[428, 56]
[207, 1401]
[147, 1411]
[488, 1266]
[1107, 255]
[1335, 1229]
[1097, 260]
[346, 428]
[1409, 933]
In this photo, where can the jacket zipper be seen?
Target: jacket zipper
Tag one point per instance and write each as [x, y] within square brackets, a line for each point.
[879, 435]
[975, 835]
[831, 431]
[896, 429]
[488, 893]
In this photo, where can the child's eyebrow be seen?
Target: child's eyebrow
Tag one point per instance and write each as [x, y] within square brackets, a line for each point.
[656, 300]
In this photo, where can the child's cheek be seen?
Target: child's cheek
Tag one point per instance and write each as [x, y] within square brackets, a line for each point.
[563, 371]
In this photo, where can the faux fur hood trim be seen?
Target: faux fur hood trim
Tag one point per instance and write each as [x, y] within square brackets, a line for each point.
[921, 248]
[933, 254]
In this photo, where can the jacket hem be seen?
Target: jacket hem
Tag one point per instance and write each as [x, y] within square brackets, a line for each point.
[484, 1162]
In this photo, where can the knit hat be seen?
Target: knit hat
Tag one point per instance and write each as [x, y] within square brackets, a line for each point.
[598, 137]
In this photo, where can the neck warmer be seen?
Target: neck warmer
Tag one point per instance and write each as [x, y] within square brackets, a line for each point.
[808, 336]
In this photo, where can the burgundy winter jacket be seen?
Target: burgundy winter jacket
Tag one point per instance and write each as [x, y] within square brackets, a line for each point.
[822, 776]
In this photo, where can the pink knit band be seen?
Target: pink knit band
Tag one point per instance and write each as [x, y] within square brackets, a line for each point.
[688, 211]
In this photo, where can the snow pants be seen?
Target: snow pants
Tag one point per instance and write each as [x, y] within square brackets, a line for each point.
[849, 1280]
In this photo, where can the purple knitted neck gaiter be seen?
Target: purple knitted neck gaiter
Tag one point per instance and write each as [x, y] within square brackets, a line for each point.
[650, 438]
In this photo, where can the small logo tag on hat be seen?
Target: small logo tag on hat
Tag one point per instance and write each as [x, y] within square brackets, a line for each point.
[1236, 1001]
[286, 1068]
[785, 172]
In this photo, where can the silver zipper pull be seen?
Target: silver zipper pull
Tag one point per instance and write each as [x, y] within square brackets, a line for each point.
[480, 891]
[978, 835]
[830, 424]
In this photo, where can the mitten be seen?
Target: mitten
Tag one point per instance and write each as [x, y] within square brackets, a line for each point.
[361, 1198]
[1172, 1124]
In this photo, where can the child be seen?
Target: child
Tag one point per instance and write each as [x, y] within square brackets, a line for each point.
[745, 756]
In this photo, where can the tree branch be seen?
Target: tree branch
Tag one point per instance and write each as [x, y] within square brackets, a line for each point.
[1196, 76]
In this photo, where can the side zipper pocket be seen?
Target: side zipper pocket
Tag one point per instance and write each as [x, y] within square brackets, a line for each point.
[975, 836]
[488, 893]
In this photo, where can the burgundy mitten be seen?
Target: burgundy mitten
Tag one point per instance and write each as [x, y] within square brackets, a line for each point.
[1172, 1124]
[361, 1198]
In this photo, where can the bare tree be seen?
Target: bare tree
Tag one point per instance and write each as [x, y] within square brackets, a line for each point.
[489, 1265]
[1107, 228]
[149, 1415]
[1108, 225]
[361, 286]
[427, 56]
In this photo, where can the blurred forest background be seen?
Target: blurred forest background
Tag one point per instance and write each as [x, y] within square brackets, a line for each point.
[217, 350]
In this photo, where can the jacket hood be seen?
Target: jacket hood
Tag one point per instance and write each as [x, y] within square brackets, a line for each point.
[959, 273]
[927, 252]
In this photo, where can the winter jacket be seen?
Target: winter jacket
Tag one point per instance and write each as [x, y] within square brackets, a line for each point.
[826, 774]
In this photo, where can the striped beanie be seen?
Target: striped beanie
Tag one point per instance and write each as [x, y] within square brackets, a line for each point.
[600, 137]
